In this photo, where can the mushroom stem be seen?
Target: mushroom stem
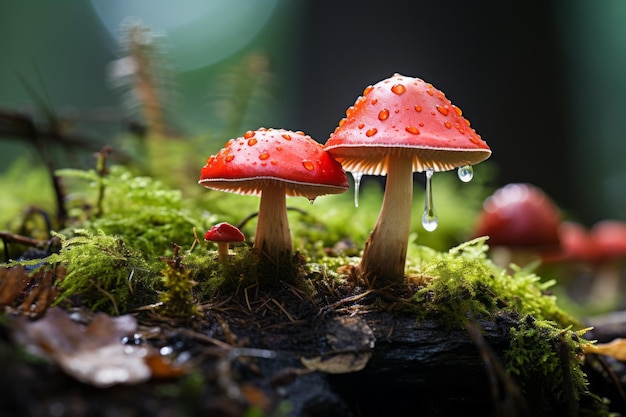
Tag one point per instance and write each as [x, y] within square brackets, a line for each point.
[384, 256]
[222, 251]
[273, 235]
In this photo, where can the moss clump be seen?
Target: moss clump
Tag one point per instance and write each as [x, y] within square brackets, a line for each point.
[545, 360]
[463, 283]
[104, 273]
[545, 352]
[148, 215]
[177, 298]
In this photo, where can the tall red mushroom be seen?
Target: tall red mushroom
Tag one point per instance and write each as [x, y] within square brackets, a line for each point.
[274, 163]
[399, 126]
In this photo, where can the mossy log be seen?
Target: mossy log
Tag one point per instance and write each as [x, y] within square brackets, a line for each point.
[342, 363]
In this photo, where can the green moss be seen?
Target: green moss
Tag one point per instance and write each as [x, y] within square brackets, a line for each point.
[147, 214]
[463, 283]
[545, 351]
[545, 359]
[177, 298]
[104, 273]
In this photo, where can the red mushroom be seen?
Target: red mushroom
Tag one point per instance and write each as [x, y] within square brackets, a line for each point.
[609, 243]
[274, 163]
[223, 234]
[399, 126]
[576, 244]
[609, 240]
[522, 223]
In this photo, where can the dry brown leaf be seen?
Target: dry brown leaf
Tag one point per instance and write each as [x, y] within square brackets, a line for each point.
[92, 353]
[616, 349]
[351, 343]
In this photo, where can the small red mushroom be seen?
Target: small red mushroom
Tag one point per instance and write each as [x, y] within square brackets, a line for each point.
[522, 223]
[399, 126]
[274, 163]
[576, 244]
[599, 253]
[609, 239]
[223, 234]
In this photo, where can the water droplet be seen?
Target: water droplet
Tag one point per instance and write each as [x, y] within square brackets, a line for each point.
[412, 129]
[288, 137]
[368, 89]
[374, 100]
[264, 155]
[429, 218]
[430, 92]
[229, 158]
[383, 114]
[448, 125]
[466, 173]
[398, 88]
[248, 134]
[361, 125]
[371, 132]
[252, 141]
[357, 183]
[279, 148]
[442, 110]
[274, 162]
[308, 165]
[418, 108]
[311, 201]
[457, 110]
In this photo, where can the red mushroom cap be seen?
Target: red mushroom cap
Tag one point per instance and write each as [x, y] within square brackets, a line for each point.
[280, 157]
[609, 240]
[520, 215]
[224, 232]
[405, 114]
[576, 243]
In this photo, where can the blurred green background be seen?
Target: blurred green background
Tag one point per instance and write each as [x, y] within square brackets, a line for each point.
[544, 83]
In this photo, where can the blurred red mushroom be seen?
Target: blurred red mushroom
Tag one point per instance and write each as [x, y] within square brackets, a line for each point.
[609, 254]
[274, 163]
[223, 234]
[399, 126]
[522, 223]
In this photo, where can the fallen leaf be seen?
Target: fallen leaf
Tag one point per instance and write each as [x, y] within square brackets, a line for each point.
[616, 348]
[92, 353]
[350, 342]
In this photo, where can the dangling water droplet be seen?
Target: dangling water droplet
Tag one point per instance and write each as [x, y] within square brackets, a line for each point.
[357, 183]
[429, 218]
[311, 201]
[466, 173]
